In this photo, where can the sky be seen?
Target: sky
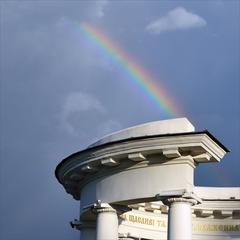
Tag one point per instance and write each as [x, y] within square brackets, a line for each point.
[59, 93]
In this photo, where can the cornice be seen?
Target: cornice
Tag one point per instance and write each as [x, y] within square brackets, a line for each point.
[136, 153]
[92, 149]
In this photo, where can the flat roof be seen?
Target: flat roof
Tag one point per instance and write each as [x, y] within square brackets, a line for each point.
[169, 126]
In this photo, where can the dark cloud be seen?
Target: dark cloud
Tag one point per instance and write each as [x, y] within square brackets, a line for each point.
[45, 59]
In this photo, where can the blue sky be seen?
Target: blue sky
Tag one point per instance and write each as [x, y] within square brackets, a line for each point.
[59, 94]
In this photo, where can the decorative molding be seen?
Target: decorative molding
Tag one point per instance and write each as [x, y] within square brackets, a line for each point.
[205, 157]
[196, 144]
[170, 201]
[88, 169]
[137, 157]
[203, 213]
[207, 209]
[100, 207]
[222, 213]
[91, 164]
[171, 153]
[109, 162]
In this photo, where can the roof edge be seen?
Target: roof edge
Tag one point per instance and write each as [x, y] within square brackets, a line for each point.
[136, 138]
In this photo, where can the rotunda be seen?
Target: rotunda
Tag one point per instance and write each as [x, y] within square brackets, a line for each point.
[138, 183]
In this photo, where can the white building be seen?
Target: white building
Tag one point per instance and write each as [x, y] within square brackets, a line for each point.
[138, 183]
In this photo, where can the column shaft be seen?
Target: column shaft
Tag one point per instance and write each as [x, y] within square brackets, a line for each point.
[180, 222]
[107, 221]
[180, 218]
[107, 225]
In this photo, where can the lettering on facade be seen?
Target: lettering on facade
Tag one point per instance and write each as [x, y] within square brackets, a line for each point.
[145, 220]
[162, 223]
[215, 227]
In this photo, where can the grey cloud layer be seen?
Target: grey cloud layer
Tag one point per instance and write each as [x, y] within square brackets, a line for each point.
[59, 93]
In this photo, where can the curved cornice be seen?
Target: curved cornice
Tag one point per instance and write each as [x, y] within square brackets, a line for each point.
[95, 148]
[138, 152]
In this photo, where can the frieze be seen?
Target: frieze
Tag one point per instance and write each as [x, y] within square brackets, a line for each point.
[161, 223]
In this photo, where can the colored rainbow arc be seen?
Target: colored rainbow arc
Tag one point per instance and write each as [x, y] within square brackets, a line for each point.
[136, 73]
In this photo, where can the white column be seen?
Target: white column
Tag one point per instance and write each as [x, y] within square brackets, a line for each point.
[107, 222]
[180, 218]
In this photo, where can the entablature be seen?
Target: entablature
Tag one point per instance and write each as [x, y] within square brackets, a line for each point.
[137, 152]
[207, 209]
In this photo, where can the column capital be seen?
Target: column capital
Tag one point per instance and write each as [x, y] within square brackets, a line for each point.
[100, 207]
[171, 200]
[181, 195]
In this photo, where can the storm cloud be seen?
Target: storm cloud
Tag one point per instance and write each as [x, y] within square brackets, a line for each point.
[59, 93]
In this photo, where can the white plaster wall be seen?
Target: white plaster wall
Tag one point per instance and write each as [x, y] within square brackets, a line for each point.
[138, 183]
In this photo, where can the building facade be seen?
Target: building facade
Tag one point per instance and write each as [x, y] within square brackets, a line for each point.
[138, 183]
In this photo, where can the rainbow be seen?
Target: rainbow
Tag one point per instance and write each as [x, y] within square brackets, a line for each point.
[135, 72]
